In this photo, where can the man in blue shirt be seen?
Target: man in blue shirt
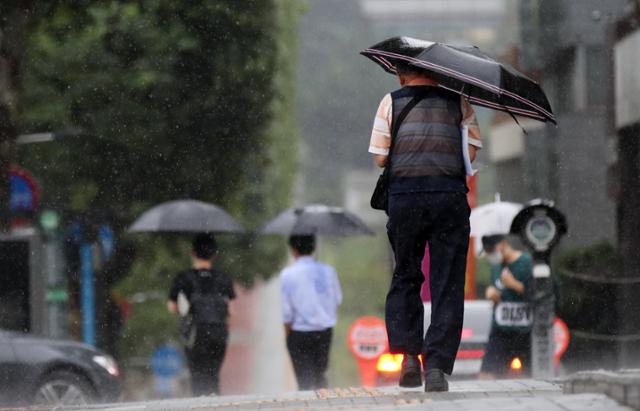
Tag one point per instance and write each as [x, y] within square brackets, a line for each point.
[310, 294]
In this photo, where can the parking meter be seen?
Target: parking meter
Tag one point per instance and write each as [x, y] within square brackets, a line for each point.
[540, 226]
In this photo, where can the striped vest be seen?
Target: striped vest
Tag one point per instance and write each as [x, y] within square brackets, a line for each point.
[427, 153]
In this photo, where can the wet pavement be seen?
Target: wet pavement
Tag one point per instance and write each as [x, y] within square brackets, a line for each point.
[499, 395]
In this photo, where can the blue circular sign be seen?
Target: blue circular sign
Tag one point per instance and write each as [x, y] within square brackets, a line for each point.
[167, 361]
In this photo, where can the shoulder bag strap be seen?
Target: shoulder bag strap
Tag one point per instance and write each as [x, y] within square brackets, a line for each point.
[398, 122]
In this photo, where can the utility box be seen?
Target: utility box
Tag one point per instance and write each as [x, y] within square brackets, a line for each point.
[22, 285]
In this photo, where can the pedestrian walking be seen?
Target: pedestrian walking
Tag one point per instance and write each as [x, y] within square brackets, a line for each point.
[417, 133]
[510, 335]
[310, 296]
[204, 325]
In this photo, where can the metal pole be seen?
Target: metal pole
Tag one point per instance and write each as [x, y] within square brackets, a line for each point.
[57, 295]
[542, 343]
[87, 294]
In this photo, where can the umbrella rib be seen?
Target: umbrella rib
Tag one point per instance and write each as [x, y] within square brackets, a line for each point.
[471, 79]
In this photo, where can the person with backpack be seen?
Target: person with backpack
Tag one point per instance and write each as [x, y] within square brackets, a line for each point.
[204, 324]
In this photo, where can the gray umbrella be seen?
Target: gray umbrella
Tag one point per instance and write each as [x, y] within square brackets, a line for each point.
[317, 220]
[186, 216]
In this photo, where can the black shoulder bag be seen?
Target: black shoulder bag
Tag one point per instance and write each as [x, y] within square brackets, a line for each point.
[380, 196]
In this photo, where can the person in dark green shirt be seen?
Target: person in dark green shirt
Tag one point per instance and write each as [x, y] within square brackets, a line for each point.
[510, 336]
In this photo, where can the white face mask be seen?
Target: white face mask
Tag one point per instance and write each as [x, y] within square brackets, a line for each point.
[495, 258]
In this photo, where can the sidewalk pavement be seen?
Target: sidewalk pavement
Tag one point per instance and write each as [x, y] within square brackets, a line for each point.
[501, 395]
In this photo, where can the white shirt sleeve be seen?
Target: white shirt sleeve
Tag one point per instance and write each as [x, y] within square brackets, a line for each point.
[381, 133]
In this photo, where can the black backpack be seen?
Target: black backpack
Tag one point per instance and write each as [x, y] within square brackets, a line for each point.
[207, 305]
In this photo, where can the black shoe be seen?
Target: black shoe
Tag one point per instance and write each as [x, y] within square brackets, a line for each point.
[434, 381]
[411, 373]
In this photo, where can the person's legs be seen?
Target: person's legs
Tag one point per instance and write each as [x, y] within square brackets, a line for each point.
[201, 379]
[494, 360]
[321, 357]
[448, 246]
[404, 312]
[205, 360]
[301, 350]
[218, 349]
[522, 350]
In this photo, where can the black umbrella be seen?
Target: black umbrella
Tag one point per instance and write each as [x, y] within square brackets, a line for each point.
[186, 216]
[317, 220]
[467, 71]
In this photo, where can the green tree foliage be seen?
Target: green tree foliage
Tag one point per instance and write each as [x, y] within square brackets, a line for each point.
[176, 99]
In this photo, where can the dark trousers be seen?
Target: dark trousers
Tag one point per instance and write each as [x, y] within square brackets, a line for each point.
[442, 219]
[309, 351]
[205, 359]
[503, 346]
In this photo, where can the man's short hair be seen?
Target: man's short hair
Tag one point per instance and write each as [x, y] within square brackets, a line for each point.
[303, 244]
[406, 68]
[204, 246]
[489, 242]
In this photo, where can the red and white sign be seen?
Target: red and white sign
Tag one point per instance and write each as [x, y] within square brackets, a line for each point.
[367, 338]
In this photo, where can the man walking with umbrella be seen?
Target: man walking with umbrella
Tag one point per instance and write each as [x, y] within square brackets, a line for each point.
[310, 290]
[310, 294]
[417, 133]
[204, 327]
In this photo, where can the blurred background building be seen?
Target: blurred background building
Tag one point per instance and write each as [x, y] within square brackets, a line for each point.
[567, 46]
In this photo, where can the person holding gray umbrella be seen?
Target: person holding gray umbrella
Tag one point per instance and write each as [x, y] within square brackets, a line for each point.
[310, 290]
[207, 293]
[201, 294]
[310, 295]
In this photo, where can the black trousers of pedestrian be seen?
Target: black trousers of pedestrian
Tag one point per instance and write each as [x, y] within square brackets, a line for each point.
[205, 358]
[442, 219]
[503, 346]
[309, 351]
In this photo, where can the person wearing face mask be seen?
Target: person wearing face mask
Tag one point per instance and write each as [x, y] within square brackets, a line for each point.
[510, 336]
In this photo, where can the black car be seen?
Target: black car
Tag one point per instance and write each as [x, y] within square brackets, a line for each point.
[36, 370]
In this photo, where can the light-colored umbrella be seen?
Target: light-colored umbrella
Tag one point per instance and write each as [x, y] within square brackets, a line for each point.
[317, 220]
[491, 219]
[191, 216]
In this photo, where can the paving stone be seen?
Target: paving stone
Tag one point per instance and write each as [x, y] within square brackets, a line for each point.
[340, 401]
